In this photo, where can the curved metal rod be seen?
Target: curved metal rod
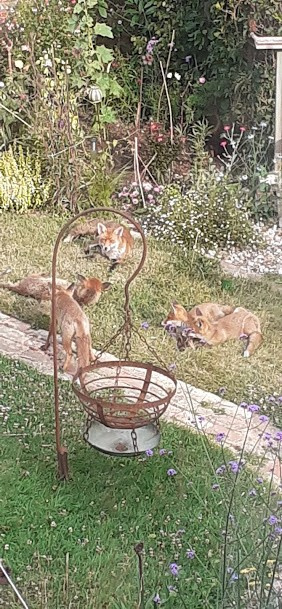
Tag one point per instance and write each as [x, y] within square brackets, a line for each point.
[61, 450]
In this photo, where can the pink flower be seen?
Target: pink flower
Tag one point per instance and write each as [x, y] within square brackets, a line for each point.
[157, 189]
[134, 194]
[223, 143]
[242, 129]
[226, 127]
[150, 197]
[135, 201]
[148, 59]
[147, 186]
[202, 80]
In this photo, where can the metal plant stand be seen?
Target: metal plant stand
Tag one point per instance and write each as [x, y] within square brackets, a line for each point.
[123, 399]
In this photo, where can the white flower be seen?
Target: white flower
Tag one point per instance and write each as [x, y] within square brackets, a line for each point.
[1, 84]
[251, 136]
[48, 63]
[68, 69]
[177, 76]
[244, 178]
[19, 64]
[169, 75]
[263, 124]
[53, 524]
[270, 137]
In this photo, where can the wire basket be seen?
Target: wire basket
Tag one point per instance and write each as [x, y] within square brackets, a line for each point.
[124, 394]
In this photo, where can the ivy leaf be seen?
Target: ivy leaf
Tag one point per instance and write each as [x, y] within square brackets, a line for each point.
[101, 29]
[105, 55]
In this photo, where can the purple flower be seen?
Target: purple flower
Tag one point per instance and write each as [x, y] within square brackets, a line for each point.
[220, 470]
[220, 437]
[259, 480]
[221, 390]
[174, 569]
[234, 466]
[252, 492]
[201, 418]
[263, 418]
[157, 599]
[243, 405]
[188, 58]
[272, 520]
[172, 366]
[162, 451]
[171, 472]
[271, 398]
[215, 487]
[149, 452]
[151, 45]
[278, 436]
[278, 530]
[234, 577]
[190, 554]
[253, 408]
[267, 436]
[144, 325]
[279, 399]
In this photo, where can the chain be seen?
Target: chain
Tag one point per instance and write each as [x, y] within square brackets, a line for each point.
[87, 427]
[134, 441]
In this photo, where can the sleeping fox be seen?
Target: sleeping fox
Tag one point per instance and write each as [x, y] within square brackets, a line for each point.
[112, 240]
[238, 323]
[73, 324]
[87, 290]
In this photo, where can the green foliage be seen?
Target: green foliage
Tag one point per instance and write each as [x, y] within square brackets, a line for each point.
[212, 41]
[21, 185]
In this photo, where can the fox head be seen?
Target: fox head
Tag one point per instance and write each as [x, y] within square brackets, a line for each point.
[110, 239]
[89, 290]
[176, 316]
[200, 327]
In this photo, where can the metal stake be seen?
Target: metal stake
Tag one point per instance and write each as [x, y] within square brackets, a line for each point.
[18, 595]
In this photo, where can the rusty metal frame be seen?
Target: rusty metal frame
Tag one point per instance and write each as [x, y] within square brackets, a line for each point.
[62, 453]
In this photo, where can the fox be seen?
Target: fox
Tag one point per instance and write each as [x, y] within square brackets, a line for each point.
[240, 322]
[74, 325]
[87, 290]
[112, 240]
[178, 322]
[178, 315]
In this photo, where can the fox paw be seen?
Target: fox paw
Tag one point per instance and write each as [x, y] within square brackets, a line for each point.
[246, 353]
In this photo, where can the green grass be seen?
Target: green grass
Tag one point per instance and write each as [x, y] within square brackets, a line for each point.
[26, 246]
[71, 544]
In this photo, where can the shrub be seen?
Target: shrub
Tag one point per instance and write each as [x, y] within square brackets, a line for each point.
[21, 185]
[211, 214]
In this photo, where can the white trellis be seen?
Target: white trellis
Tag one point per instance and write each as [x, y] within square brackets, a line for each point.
[275, 43]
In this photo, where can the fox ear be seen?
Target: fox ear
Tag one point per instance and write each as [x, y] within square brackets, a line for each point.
[199, 312]
[71, 288]
[106, 286]
[101, 228]
[119, 231]
[174, 306]
[80, 277]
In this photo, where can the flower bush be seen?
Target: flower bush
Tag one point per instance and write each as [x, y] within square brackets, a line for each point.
[130, 195]
[21, 185]
[211, 214]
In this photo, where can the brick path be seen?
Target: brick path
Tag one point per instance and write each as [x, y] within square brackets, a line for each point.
[191, 407]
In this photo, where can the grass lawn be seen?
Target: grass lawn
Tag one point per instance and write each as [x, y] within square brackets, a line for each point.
[26, 246]
[70, 545]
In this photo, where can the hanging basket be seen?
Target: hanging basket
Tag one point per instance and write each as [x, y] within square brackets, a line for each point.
[124, 394]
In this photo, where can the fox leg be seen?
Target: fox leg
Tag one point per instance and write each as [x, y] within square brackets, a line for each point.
[48, 339]
[226, 310]
[67, 346]
[254, 342]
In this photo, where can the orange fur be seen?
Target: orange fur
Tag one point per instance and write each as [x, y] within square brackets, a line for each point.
[74, 325]
[87, 290]
[240, 322]
[212, 311]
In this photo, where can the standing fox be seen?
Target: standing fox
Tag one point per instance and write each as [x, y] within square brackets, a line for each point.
[114, 241]
[74, 325]
[87, 290]
[240, 322]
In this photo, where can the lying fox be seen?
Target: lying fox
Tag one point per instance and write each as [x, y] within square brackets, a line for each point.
[210, 310]
[235, 325]
[113, 241]
[87, 290]
[74, 325]
[179, 322]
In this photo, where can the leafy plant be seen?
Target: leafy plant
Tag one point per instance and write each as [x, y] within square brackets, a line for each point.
[21, 185]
